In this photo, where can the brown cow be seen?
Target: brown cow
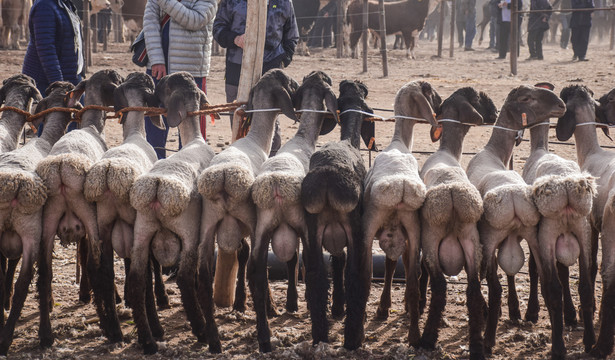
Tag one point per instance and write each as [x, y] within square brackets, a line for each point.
[14, 17]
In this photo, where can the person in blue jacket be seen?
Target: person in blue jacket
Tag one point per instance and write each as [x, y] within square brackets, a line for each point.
[280, 42]
[55, 51]
[580, 25]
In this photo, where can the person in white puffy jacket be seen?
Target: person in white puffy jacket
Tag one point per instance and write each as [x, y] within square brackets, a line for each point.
[178, 35]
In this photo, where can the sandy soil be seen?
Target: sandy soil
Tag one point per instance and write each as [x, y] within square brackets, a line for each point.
[74, 323]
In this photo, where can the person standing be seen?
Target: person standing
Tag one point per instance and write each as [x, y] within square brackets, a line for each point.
[493, 24]
[181, 43]
[280, 42]
[55, 50]
[564, 18]
[537, 24]
[504, 17]
[580, 25]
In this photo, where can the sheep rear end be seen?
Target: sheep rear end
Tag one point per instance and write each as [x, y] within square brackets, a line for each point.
[330, 185]
[25, 191]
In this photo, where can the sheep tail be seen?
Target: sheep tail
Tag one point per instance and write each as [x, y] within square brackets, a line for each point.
[452, 200]
[169, 194]
[554, 195]
[276, 188]
[233, 180]
[393, 190]
[116, 175]
[23, 190]
[507, 203]
[338, 187]
[53, 169]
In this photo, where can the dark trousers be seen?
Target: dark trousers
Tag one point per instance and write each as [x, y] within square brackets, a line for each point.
[534, 42]
[579, 38]
[504, 38]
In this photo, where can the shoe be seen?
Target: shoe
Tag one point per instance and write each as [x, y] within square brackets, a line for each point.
[539, 58]
[500, 57]
[468, 49]
[583, 59]
[531, 58]
[574, 58]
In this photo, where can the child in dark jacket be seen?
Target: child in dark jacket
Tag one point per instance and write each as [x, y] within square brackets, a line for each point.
[55, 51]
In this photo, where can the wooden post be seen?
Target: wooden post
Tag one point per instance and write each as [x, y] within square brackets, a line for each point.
[339, 34]
[86, 34]
[365, 27]
[514, 36]
[251, 71]
[95, 34]
[105, 36]
[441, 29]
[451, 50]
[383, 39]
[612, 44]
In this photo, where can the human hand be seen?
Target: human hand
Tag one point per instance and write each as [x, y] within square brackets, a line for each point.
[158, 71]
[240, 40]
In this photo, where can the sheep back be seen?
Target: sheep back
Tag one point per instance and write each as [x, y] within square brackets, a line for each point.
[552, 194]
[234, 180]
[171, 184]
[26, 187]
[459, 200]
[114, 174]
[64, 168]
[503, 203]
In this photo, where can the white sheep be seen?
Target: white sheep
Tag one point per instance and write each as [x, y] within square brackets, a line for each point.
[509, 211]
[450, 213]
[109, 181]
[63, 172]
[229, 213]
[394, 192]
[168, 213]
[579, 119]
[277, 195]
[17, 91]
[22, 197]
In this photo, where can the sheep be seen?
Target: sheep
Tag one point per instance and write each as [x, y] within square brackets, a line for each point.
[563, 195]
[509, 211]
[332, 194]
[228, 211]
[63, 173]
[276, 191]
[21, 203]
[579, 119]
[450, 213]
[407, 16]
[17, 91]
[394, 192]
[168, 210]
[108, 183]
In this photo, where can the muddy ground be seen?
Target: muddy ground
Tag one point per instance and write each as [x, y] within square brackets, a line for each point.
[74, 323]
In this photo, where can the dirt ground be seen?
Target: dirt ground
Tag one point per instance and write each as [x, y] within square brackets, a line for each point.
[74, 323]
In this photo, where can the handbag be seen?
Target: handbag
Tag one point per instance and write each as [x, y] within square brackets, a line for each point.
[138, 49]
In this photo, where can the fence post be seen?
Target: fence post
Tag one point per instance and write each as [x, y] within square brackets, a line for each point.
[365, 30]
[441, 29]
[339, 34]
[86, 35]
[514, 36]
[383, 39]
[451, 51]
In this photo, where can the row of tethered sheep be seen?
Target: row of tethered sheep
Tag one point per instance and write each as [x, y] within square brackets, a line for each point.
[440, 218]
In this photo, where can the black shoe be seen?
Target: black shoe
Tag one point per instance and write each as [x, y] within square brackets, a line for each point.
[531, 58]
[500, 57]
[574, 58]
[539, 58]
[583, 59]
[468, 49]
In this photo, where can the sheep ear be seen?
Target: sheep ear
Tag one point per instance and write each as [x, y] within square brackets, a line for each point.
[425, 108]
[76, 93]
[176, 110]
[298, 98]
[204, 103]
[566, 124]
[329, 122]
[119, 103]
[151, 99]
[435, 133]
[157, 121]
[35, 94]
[368, 129]
[468, 114]
[107, 94]
[42, 105]
[2, 95]
[285, 103]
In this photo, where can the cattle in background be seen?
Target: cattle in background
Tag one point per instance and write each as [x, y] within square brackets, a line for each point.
[14, 17]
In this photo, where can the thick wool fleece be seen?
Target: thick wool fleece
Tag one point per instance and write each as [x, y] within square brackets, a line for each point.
[54, 169]
[234, 180]
[552, 194]
[115, 174]
[503, 203]
[24, 186]
[457, 199]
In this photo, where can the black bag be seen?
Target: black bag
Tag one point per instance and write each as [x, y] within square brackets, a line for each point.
[139, 52]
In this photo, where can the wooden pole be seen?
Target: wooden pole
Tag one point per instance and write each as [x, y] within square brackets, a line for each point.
[365, 27]
[451, 50]
[251, 71]
[105, 33]
[339, 34]
[441, 29]
[86, 34]
[383, 39]
[612, 44]
[95, 34]
[514, 36]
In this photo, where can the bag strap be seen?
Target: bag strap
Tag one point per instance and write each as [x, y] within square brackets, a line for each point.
[166, 18]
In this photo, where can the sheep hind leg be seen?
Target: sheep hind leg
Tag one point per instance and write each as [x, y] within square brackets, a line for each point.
[316, 282]
[240, 289]
[258, 282]
[206, 278]
[570, 314]
[150, 305]
[586, 291]
[382, 313]
[292, 297]
[495, 304]
[85, 288]
[11, 266]
[162, 299]
[533, 307]
[354, 331]
[337, 264]
[423, 281]
[411, 260]
[514, 314]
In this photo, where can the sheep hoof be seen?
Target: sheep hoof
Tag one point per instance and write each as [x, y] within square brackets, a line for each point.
[157, 332]
[601, 351]
[150, 348]
[85, 297]
[215, 347]
[427, 344]
[477, 356]
[46, 341]
[570, 318]
[533, 318]
[337, 312]
[488, 349]
[265, 347]
[292, 307]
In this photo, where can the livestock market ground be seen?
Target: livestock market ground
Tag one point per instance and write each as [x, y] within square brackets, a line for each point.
[75, 324]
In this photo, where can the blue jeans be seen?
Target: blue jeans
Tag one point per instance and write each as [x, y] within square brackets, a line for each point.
[470, 28]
